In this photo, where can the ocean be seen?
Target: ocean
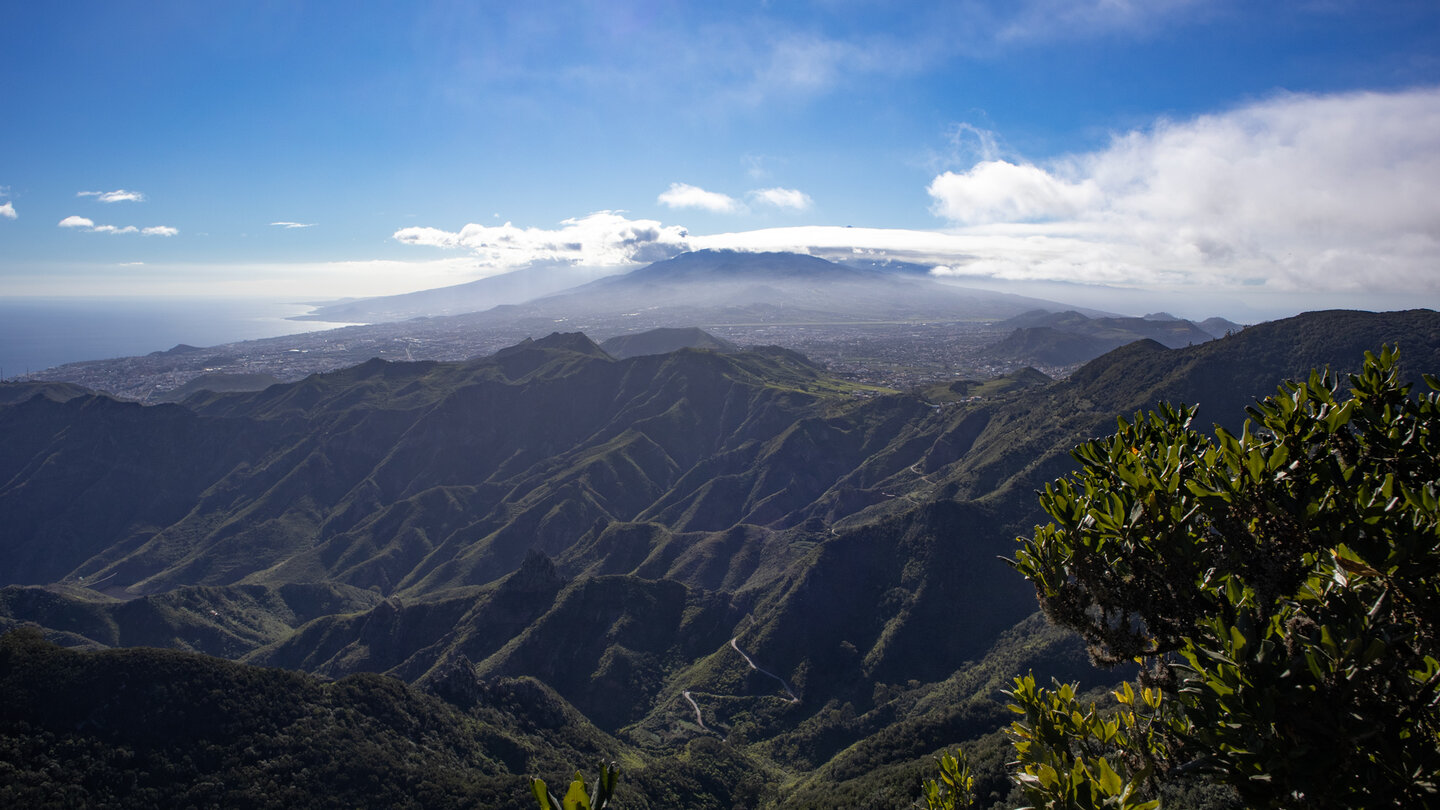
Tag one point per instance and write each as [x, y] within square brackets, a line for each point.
[38, 333]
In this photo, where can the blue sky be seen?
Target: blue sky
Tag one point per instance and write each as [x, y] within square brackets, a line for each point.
[1243, 156]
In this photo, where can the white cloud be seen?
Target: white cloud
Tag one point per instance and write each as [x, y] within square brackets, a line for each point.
[806, 238]
[601, 239]
[292, 225]
[89, 225]
[8, 211]
[119, 195]
[998, 191]
[684, 195]
[786, 198]
[1325, 199]
[1298, 192]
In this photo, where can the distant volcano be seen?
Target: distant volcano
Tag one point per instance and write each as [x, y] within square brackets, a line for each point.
[709, 287]
[718, 288]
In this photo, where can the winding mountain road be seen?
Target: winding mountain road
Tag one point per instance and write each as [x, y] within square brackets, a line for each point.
[699, 719]
[793, 697]
[735, 645]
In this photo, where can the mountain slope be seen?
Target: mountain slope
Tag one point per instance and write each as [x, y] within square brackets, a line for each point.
[686, 547]
[398, 476]
[1067, 338]
[515, 287]
[664, 341]
[153, 728]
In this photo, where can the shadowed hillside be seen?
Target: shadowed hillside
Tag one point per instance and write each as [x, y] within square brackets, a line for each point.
[1058, 339]
[736, 551]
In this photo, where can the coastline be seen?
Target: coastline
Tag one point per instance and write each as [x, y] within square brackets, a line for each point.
[38, 333]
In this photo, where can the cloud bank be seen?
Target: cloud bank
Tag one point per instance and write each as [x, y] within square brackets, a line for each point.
[998, 191]
[602, 239]
[1298, 194]
[1295, 193]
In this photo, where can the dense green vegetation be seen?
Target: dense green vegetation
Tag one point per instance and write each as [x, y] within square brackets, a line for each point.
[146, 728]
[152, 728]
[1280, 589]
[675, 545]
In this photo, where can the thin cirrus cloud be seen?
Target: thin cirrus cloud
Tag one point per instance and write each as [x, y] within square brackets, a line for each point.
[601, 239]
[1072, 19]
[118, 195]
[293, 225]
[85, 224]
[1299, 192]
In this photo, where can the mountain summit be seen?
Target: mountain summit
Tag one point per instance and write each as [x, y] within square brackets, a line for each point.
[723, 265]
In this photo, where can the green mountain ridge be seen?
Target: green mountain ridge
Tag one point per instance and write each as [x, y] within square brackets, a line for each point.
[1068, 338]
[664, 341]
[631, 532]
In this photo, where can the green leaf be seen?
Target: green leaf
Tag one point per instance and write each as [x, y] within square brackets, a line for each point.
[542, 795]
[1109, 780]
[575, 797]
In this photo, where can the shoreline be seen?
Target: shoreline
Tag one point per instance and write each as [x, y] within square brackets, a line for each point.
[40, 333]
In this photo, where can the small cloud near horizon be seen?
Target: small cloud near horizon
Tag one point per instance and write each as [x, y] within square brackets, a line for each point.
[293, 225]
[118, 195]
[8, 211]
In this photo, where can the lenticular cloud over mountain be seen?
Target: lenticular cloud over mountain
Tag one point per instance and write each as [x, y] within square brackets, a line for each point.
[604, 238]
